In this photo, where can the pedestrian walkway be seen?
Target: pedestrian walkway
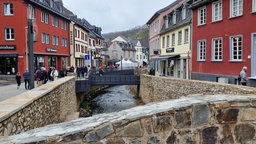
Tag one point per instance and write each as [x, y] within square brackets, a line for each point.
[9, 89]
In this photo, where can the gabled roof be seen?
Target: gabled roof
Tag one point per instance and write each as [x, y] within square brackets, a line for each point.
[161, 11]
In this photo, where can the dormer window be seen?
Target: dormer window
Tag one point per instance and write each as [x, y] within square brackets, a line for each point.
[184, 11]
[174, 17]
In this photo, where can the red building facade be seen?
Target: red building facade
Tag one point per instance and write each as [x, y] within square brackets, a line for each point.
[223, 39]
[51, 39]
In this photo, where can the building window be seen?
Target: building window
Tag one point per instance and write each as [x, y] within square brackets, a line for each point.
[45, 38]
[201, 53]
[55, 21]
[8, 9]
[174, 17]
[217, 11]
[173, 39]
[184, 11]
[163, 42]
[236, 8]
[64, 25]
[186, 36]
[64, 42]
[253, 5]
[217, 49]
[44, 17]
[202, 15]
[236, 48]
[55, 40]
[168, 41]
[179, 38]
[9, 33]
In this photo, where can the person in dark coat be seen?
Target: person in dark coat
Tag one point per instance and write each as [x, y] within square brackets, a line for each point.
[78, 72]
[18, 80]
[26, 76]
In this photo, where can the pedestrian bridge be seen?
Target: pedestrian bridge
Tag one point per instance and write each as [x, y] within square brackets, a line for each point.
[110, 77]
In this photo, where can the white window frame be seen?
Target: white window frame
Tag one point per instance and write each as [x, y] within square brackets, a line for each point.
[201, 17]
[179, 37]
[186, 36]
[183, 12]
[64, 42]
[174, 17]
[168, 41]
[217, 11]
[163, 42]
[201, 50]
[44, 17]
[236, 50]
[217, 50]
[9, 34]
[55, 22]
[173, 39]
[55, 40]
[64, 25]
[8, 8]
[45, 38]
[236, 10]
[253, 5]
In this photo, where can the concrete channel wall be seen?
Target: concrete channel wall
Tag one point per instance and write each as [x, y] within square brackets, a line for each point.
[44, 105]
[208, 119]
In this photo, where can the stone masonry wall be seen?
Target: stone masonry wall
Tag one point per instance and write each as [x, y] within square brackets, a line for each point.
[44, 105]
[154, 88]
[210, 119]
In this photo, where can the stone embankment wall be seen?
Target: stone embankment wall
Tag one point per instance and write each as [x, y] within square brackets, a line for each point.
[154, 89]
[44, 105]
[212, 119]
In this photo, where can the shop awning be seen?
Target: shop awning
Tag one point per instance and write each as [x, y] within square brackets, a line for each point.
[165, 57]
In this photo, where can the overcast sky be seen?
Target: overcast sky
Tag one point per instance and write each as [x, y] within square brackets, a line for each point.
[116, 15]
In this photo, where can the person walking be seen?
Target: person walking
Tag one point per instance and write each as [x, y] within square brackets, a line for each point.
[18, 79]
[26, 76]
[243, 75]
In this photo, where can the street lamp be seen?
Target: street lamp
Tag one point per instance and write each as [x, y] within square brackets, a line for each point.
[30, 45]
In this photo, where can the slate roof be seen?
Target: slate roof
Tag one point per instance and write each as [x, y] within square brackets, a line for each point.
[56, 7]
[160, 11]
[179, 22]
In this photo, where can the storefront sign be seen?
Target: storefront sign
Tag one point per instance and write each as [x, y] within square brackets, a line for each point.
[169, 50]
[51, 50]
[7, 47]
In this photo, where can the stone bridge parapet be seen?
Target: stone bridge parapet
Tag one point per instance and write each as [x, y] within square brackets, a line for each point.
[44, 105]
[208, 119]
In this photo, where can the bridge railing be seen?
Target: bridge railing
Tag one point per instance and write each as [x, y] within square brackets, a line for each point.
[115, 80]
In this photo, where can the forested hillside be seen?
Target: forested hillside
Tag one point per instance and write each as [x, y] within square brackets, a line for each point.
[140, 32]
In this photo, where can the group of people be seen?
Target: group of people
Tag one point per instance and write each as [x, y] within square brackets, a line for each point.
[83, 71]
[26, 76]
[40, 75]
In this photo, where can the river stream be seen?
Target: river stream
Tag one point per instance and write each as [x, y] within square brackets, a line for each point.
[113, 99]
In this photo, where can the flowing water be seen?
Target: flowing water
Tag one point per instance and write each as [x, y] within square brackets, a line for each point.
[113, 99]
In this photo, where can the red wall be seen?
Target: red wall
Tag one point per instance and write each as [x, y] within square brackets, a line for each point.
[242, 25]
[19, 22]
